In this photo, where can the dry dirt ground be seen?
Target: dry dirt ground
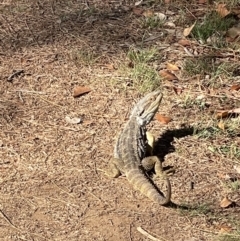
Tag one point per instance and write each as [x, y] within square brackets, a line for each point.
[52, 180]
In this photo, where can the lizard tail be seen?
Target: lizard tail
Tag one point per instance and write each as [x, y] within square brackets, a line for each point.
[145, 185]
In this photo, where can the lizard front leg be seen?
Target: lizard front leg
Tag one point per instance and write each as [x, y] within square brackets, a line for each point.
[151, 161]
[150, 143]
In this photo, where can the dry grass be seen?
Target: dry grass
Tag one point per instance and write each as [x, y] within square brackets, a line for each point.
[53, 185]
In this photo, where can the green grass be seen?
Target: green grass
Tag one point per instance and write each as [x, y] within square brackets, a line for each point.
[225, 69]
[231, 151]
[208, 133]
[229, 237]
[142, 56]
[217, 217]
[231, 131]
[140, 69]
[201, 209]
[234, 186]
[145, 78]
[199, 66]
[189, 103]
[229, 3]
[204, 65]
[207, 65]
[84, 57]
[182, 19]
[212, 24]
[196, 210]
[152, 22]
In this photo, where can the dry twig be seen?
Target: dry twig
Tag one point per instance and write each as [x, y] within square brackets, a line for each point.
[7, 219]
[145, 233]
[15, 74]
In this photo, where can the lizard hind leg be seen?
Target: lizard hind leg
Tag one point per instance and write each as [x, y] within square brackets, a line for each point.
[153, 163]
[149, 163]
[114, 169]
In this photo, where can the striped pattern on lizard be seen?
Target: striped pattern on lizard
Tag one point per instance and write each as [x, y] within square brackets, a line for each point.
[131, 150]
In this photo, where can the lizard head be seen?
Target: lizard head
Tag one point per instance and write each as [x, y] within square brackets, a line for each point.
[146, 108]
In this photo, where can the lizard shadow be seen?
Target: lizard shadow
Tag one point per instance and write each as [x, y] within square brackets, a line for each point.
[164, 146]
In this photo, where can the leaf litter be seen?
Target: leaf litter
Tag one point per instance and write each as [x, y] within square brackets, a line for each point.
[53, 186]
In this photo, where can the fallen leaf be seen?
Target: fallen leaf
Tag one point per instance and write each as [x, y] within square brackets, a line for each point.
[148, 13]
[188, 30]
[233, 32]
[229, 40]
[168, 84]
[167, 1]
[80, 90]
[237, 169]
[235, 87]
[172, 66]
[177, 90]
[223, 176]
[110, 66]
[221, 125]
[138, 11]
[235, 111]
[225, 229]
[222, 10]
[184, 42]
[202, 1]
[163, 119]
[138, 2]
[211, 148]
[201, 97]
[161, 16]
[88, 122]
[74, 120]
[227, 177]
[226, 113]
[236, 10]
[170, 25]
[222, 114]
[225, 203]
[165, 74]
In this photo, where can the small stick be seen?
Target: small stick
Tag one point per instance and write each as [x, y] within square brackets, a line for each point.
[13, 226]
[29, 91]
[145, 233]
[8, 220]
[15, 74]
[222, 96]
[52, 103]
[11, 29]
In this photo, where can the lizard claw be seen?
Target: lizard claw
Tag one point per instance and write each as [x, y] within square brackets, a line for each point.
[165, 173]
[170, 171]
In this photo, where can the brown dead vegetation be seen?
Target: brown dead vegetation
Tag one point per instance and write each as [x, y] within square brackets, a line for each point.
[52, 181]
